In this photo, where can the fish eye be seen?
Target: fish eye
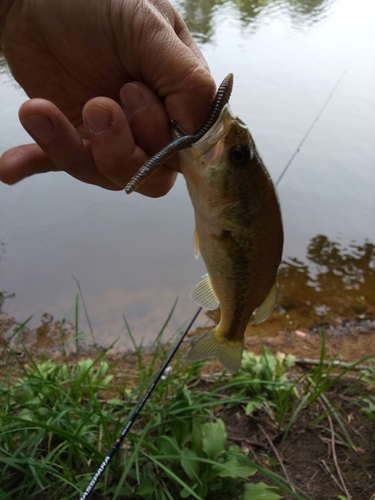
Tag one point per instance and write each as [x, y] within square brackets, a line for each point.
[240, 154]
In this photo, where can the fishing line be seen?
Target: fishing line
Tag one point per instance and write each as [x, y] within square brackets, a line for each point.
[137, 410]
[310, 129]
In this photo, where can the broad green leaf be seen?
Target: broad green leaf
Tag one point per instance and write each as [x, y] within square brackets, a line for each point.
[184, 493]
[214, 439]
[259, 491]
[189, 465]
[252, 406]
[145, 488]
[175, 478]
[233, 468]
[196, 438]
[115, 402]
[290, 360]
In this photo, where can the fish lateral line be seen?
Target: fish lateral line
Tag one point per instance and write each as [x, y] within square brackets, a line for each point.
[156, 161]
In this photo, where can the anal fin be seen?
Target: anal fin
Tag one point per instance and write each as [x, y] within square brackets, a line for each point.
[264, 310]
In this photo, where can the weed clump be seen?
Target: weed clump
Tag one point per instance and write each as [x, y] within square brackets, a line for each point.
[59, 419]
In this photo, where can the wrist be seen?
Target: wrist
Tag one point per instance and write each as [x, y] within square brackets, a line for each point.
[5, 7]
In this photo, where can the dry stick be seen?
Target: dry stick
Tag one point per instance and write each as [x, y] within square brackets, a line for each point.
[137, 410]
[333, 446]
[327, 470]
[278, 458]
[241, 439]
[336, 364]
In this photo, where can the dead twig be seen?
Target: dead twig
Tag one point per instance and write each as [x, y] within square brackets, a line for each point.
[335, 363]
[240, 439]
[327, 470]
[277, 454]
[333, 448]
[328, 441]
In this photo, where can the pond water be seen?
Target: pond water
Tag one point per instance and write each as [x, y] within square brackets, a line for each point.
[133, 256]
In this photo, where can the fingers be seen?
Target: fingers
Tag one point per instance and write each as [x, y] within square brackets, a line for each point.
[130, 138]
[147, 118]
[109, 156]
[59, 148]
[23, 161]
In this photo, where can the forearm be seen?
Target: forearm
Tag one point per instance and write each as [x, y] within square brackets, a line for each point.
[5, 7]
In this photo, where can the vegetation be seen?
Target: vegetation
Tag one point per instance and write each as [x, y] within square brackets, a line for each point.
[59, 419]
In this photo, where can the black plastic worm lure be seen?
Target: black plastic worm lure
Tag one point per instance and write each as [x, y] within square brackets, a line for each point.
[222, 97]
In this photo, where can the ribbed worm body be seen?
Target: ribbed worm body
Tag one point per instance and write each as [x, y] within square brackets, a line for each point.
[221, 99]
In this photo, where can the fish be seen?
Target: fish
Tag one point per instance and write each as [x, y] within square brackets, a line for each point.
[239, 234]
[239, 231]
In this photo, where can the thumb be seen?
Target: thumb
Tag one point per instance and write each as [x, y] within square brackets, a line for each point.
[172, 65]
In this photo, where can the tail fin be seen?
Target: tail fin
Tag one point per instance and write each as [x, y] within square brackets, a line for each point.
[228, 353]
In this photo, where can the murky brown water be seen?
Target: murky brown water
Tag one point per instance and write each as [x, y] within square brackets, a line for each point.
[334, 290]
[133, 256]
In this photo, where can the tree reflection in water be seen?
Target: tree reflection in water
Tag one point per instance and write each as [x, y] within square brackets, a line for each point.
[334, 285]
[200, 15]
[336, 282]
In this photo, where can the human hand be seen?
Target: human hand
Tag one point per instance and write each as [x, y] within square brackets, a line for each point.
[104, 79]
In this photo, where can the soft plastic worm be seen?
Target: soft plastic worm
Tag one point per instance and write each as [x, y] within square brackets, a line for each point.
[222, 97]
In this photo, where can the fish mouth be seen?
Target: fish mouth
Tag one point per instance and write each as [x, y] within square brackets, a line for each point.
[218, 130]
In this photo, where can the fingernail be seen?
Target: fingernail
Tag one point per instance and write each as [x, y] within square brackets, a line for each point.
[39, 127]
[132, 99]
[98, 118]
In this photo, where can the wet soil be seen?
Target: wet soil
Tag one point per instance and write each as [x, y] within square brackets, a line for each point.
[314, 456]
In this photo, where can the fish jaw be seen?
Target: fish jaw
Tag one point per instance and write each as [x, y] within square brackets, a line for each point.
[196, 165]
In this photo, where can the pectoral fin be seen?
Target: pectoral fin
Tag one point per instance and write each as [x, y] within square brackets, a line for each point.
[203, 294]
[196, 244]
[228, 353]
[264, 310]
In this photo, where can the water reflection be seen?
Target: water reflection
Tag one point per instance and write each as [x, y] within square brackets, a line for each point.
[199, 15]
[334, 287]
[336, 284]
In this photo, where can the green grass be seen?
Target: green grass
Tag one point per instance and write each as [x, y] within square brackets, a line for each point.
[59, 419]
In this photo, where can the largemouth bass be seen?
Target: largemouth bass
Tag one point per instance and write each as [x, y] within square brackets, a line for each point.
[238, 225]
[238, 233]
